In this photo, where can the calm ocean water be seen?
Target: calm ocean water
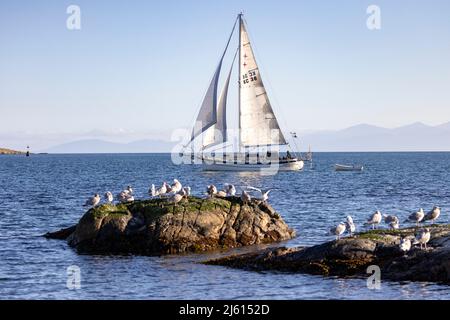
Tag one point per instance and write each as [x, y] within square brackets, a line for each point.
[46, 192]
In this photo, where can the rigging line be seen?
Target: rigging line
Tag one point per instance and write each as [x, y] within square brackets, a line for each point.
[207, 87]
[266, 77]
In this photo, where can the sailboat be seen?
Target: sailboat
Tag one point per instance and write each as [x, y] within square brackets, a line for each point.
[259, 138]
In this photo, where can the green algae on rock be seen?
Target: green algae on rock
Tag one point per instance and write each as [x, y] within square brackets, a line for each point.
[153, 227]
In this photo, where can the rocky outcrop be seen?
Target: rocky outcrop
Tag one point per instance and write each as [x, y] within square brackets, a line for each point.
[351, 256]
[9, 151]
[155, 227]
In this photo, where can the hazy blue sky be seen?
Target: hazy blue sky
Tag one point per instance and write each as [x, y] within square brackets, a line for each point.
[145, 65]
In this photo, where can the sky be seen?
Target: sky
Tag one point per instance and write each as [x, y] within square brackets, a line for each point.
[140, 69]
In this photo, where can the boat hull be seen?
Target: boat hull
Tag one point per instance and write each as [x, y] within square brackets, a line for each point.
[295, 165]
[341, 167]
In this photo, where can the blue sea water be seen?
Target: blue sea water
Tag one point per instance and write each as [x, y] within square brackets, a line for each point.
[46, 192]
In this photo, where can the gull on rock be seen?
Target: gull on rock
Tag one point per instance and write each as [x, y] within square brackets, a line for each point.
[350, 226]
[405, 244]
[392, 221]
[374, 219]
[245, 197]
[423, 237]
[211, 190]
[177, 197]
[176, 186]
[92, 201]
[264, 193]
[109, 197]
[338, 230]
[152, 191]
[416, 216]
[230, 189]
[433, 214]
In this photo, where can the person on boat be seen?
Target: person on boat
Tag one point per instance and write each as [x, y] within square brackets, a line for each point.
[288, 155]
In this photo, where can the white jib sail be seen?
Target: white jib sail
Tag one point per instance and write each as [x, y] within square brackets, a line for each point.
[258, 123]
[217, 133]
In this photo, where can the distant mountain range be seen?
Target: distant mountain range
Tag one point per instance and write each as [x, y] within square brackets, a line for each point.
[362, 137]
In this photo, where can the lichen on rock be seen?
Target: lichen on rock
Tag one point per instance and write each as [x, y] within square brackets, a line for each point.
[152, 227]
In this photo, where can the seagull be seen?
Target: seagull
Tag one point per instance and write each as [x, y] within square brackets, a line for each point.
[187, 191]
[152, 191]
[211, 190]
[245, 197]
[221, 194]
[374, 219]
[162, 190]
[92, 201]
[176, 186]
[433, 214]
[350, 226]
[338, 230]
[129, 190]
[109, 197]
[392, 221]
[125, 196]
[423, 237]
[177, 197]
[394, 224]
[416, 216]
[264, 193]
[230, 189]
[405, 244]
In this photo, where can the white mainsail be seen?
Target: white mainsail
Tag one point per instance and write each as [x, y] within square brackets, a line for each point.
[257, 122]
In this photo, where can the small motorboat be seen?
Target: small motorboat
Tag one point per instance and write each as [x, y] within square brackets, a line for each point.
[343, 167]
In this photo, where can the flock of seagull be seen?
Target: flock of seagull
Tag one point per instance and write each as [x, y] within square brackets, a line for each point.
[393, 222]
[175, 192]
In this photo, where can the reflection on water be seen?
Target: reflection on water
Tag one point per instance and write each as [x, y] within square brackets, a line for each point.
[46, 192]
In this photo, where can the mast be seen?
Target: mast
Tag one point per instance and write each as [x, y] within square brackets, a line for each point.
[239, 81]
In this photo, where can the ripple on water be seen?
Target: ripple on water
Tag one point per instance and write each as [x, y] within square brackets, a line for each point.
[46, 193]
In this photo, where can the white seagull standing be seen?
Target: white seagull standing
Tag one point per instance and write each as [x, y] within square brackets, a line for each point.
[416, 216]
[245, 197]
[109, 197]
[152, 191]
[338, 230]
[264, 193]
[230, 189]
[186, 191]
[405, 244]
[433, 214]
[374, 219]
[176, 186]
[211, 190]
[177, 197]
[162, 190]
[423, 237]
[350, 226]
[92, 201]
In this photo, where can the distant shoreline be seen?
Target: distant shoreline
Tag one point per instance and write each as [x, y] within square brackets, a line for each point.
[10, 151]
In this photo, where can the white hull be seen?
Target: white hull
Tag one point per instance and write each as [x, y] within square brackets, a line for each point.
[295, 165]
[341, 167]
